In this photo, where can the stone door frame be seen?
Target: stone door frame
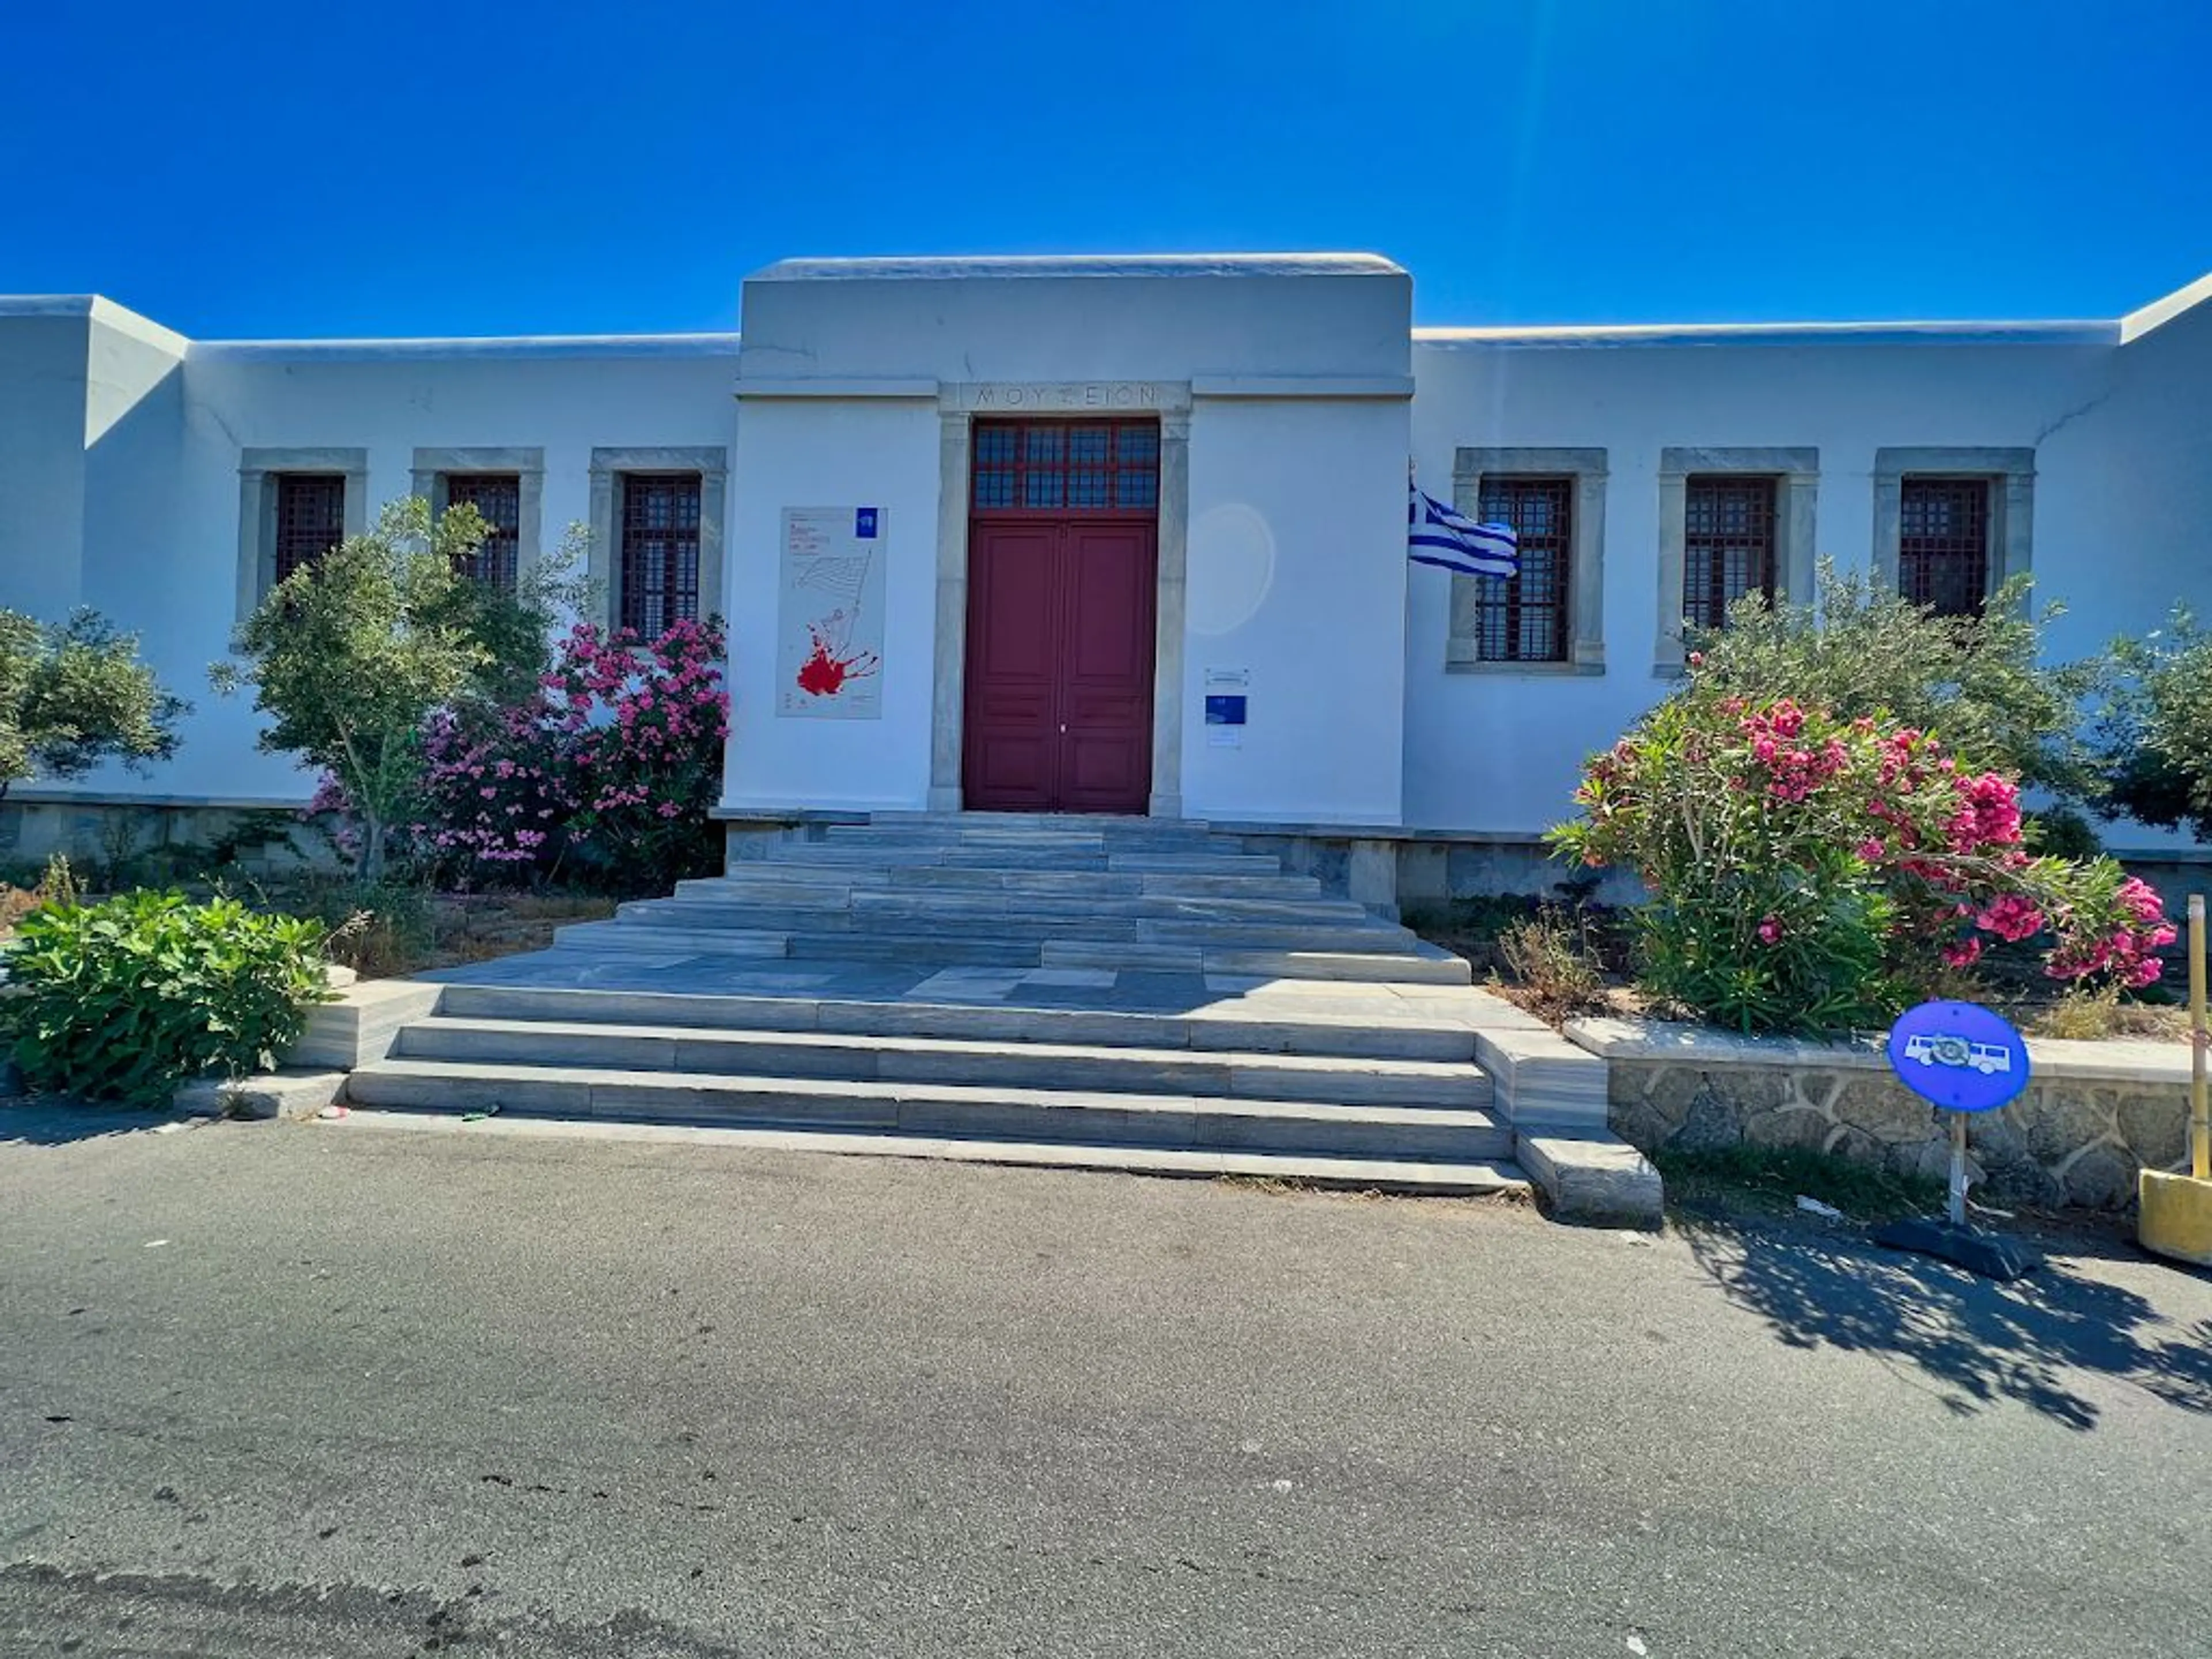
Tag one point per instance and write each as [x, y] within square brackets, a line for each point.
[958, 403]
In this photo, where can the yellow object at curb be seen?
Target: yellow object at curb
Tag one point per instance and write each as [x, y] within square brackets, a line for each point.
[2177, 1216]
[2177, 1209]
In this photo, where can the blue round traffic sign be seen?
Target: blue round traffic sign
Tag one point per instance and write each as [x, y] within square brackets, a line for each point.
[1959, 1055]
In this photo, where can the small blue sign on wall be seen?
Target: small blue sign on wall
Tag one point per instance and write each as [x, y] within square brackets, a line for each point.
[1959, 1055]
[1224, 710]
[864, 524]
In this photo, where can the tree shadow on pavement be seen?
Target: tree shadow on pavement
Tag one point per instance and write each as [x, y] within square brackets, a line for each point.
[1985, 1343]
[45, 1121]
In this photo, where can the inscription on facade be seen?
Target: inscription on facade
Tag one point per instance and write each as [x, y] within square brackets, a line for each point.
[1134, 395]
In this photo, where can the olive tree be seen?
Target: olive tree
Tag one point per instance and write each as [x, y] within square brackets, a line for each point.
[350, 655]
[76, 693]
[2155, 736]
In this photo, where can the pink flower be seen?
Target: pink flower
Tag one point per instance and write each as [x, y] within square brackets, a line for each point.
[1963, 953]
[1869, 849]
[2010, 917]
[1770, 929]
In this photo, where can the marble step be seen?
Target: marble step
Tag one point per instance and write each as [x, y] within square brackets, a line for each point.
[1301, 909]
[945, 877]
[1317, 1079]
[1032, 840]
[1353, 932]
[1170, 1121]
[1421, 963]
[820, 852]
[1382, 960]
[997, 826]
[670, 941]
[1100, 822]
[1369, 1031]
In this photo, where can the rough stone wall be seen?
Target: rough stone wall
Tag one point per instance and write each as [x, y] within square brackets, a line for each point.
[2073, 1140]
[96, 833]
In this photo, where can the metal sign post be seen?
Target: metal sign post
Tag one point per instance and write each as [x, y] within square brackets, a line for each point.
[1964, 1058]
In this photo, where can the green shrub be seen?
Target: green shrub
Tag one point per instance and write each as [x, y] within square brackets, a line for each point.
[126, 999]
[2155, 737]
[1809, 873]
[1867, 650]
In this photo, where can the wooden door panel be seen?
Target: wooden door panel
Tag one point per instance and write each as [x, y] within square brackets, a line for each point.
[1107, 675]
[1014, 623]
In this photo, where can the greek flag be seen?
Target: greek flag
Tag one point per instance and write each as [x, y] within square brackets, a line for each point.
[1436, 535]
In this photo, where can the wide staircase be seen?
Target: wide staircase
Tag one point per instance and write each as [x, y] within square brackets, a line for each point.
[1117, 992]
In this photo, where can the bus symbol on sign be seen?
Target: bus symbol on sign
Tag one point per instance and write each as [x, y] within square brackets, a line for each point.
[1943, 1049]
[864, 524]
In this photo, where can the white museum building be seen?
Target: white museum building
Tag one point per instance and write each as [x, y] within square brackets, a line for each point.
[1118, 535]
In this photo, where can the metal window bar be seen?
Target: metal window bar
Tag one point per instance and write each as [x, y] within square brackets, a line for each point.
[1524, 617]
[660, 571]
[310, 517]
[1728, 544]
[1943, 544]
[1065, 466]
[498, 497]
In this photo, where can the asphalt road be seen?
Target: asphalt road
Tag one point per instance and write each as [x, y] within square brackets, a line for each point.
[298, 1390]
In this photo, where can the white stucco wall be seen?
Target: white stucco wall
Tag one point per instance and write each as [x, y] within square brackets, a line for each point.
[1298, 574]
[43, 358]
[173, 574]
[1041, 320]
[2120, 443]
[818, 453]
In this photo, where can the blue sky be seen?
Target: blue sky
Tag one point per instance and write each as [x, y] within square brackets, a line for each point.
[401, 167]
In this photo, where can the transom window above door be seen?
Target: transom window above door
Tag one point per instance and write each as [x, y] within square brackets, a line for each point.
[1066, 466]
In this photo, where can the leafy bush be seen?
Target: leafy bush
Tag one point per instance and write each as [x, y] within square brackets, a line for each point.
[1869, 651]
[607, 771]
[125, 1000]
[1812, 872]
[2155, 740]
[76, 695]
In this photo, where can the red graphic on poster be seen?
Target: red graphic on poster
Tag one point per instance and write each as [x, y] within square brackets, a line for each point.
[824, 672]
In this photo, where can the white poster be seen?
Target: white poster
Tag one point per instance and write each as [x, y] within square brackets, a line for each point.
[830, 614]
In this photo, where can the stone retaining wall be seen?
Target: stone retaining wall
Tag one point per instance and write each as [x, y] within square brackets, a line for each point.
[2093, 1113]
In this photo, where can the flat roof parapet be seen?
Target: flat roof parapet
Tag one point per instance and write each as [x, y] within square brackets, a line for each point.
[1079, 265]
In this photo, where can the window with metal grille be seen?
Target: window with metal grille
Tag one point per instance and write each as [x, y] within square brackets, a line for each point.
[1523, 618]
[310, 517]
[1943, 544]
[498, 497]
[1066, 466]
[1728, 544]
[659, 574]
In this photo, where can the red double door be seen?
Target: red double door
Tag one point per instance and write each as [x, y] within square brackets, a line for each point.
[1061, 620]
[1063, 566]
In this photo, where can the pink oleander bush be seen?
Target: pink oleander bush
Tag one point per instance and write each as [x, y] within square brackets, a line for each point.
[1812, 873]
[603, 774]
